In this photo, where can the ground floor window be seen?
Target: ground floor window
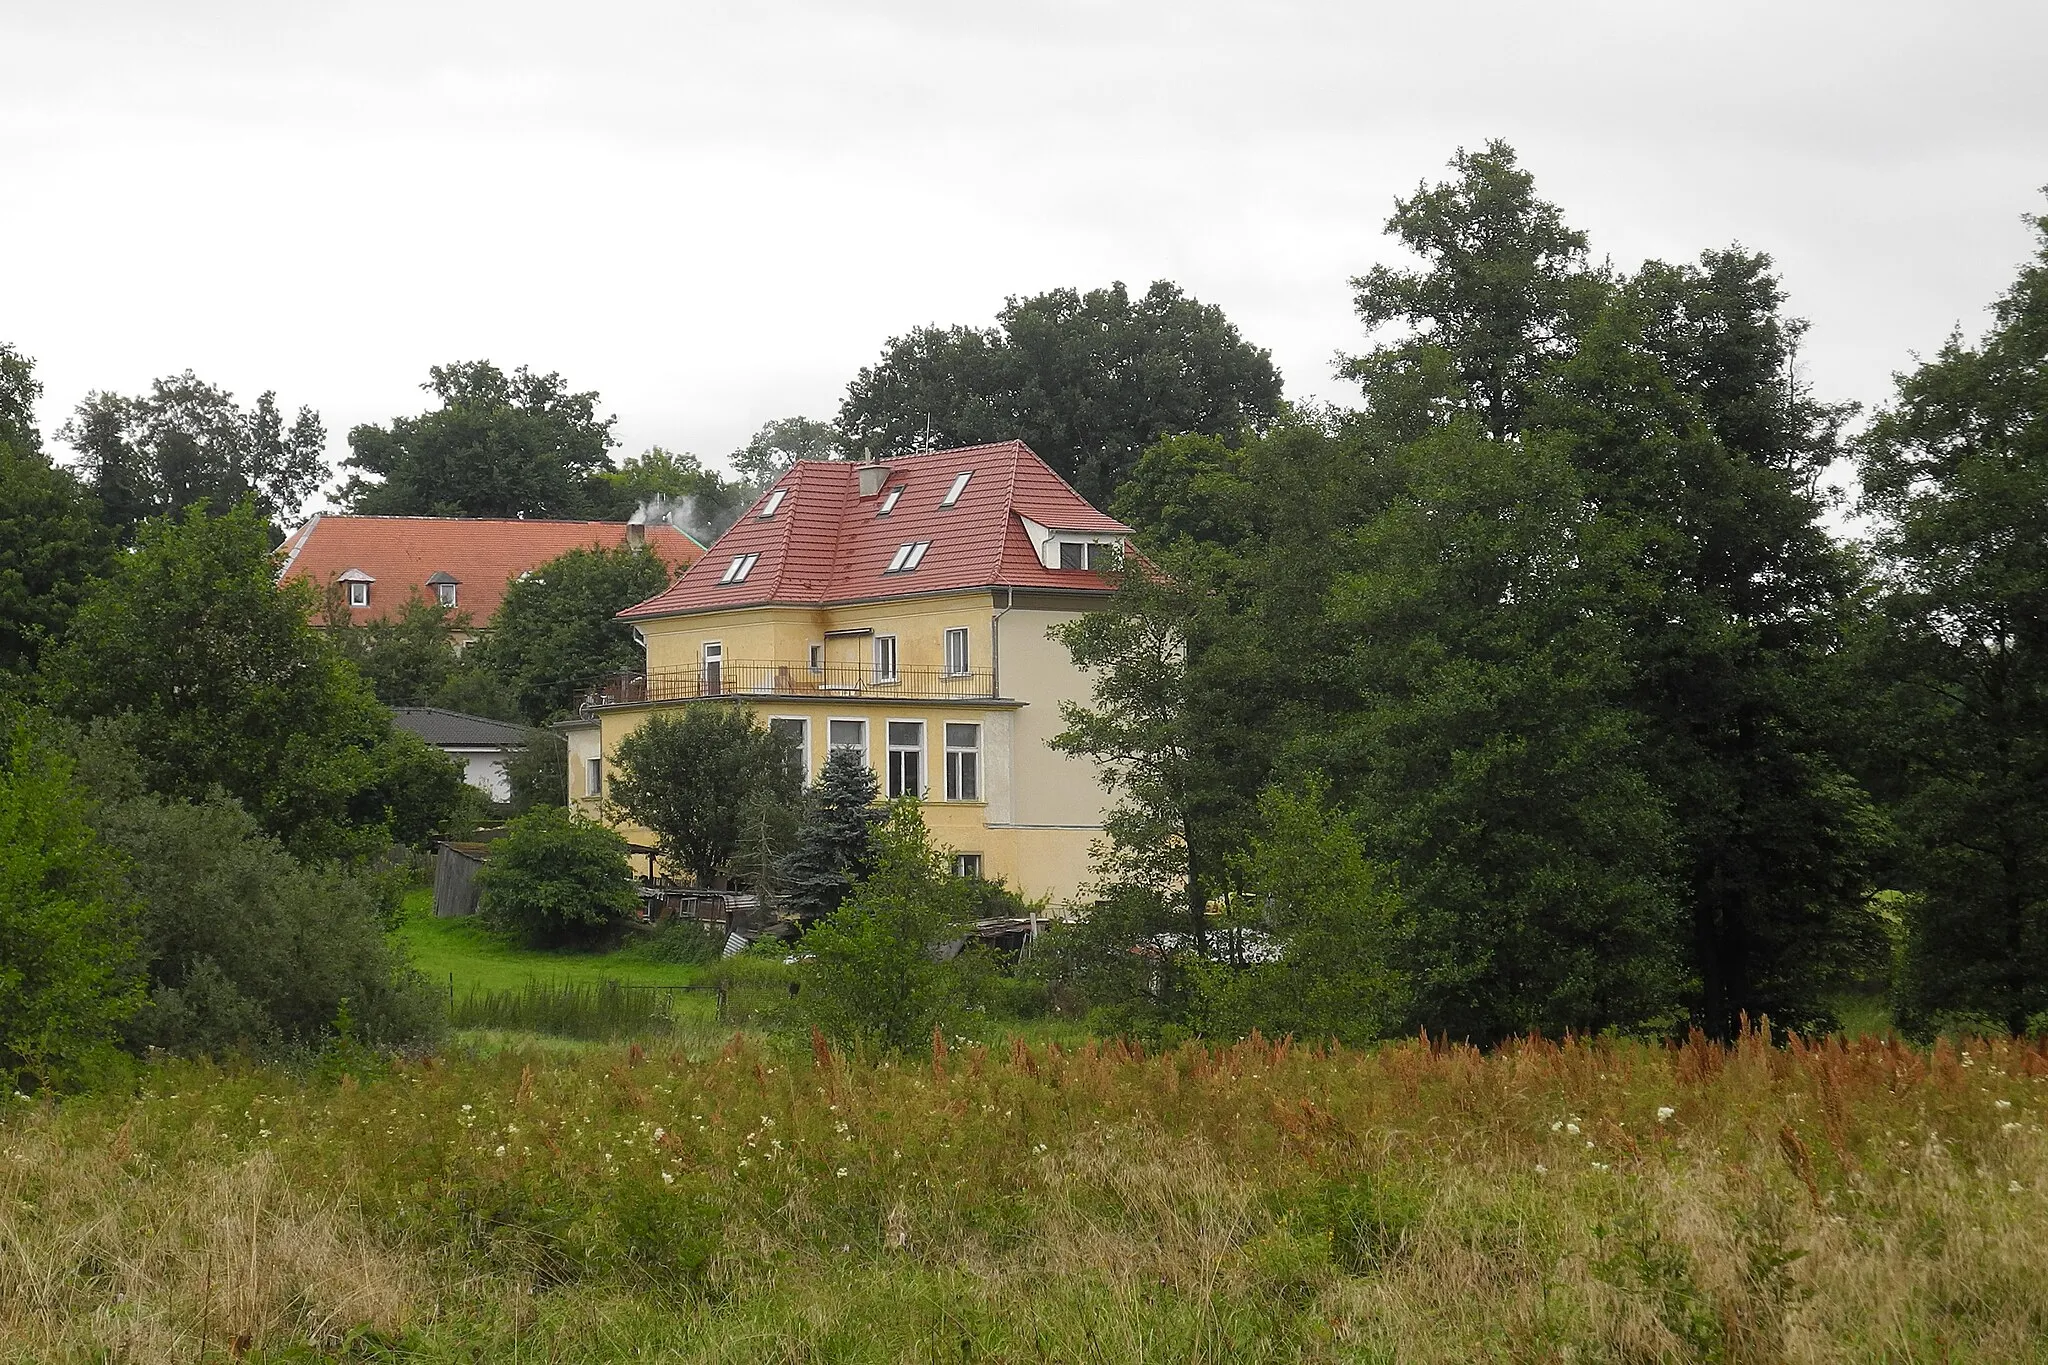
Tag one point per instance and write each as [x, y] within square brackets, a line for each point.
[795, 734]
[963, 762]
[967, 865]
[847, 734]
[906, 758]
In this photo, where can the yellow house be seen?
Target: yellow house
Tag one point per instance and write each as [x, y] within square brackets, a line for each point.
[900, 608]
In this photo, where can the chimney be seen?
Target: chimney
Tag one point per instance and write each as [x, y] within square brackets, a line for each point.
[872, 477]
[636, 535]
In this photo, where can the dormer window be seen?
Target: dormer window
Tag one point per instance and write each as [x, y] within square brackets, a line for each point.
[908, 556]
[774, 501]
[1084, 554]
[444, 586]
[889, 502]
[737, 571]
[959, 487]
[358, 587]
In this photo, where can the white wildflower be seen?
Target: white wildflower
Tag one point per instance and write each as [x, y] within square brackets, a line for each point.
[1664, 1113]
[1572, 1128]
[1542, 1169]
[2002, 1104]
[500, 1151]
[842, 1172]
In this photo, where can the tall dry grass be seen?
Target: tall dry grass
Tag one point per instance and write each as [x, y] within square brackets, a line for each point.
[1591, 1201]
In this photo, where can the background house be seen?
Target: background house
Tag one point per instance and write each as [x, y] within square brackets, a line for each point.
[375, 565]
[481, 746]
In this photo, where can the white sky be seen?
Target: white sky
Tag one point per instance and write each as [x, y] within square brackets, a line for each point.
[714, 214]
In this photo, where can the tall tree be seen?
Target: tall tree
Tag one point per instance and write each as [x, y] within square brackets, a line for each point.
[835, 842]
[556, 632]
[1957, 474]
[674, 486]
[52, 541]
[498, 445]
[1503, 291]
[187, 443]
[1088, 380]
[229, 687]
[770, 452]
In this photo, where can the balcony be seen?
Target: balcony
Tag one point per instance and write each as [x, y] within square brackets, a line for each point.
[738, 678]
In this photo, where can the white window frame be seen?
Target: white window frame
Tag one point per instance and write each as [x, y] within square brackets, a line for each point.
[895, 671]
[805, 745]
[358, 594]
[959, 487]
[917, 552]
[817, 659]
[739, 568]
[711, 667]
[774, 501]
[961, 869]
[593, 777]
[952, 750]
[961, 667]
[444, 593]
[891, 748]
[889, 500]
[831, 747]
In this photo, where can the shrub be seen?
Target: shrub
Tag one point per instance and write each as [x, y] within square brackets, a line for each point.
[248, 947]
[557, 879]
[68, 968]
[871, 980]
[539, 774]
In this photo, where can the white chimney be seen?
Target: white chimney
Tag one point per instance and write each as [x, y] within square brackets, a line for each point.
[872, 477]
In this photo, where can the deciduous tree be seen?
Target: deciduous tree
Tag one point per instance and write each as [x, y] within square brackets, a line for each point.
[556, 632]
[690, 776]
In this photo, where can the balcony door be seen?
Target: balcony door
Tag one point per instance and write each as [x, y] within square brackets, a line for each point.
[714, 668]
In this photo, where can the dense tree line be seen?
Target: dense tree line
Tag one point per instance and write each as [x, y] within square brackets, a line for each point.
[1553, 624]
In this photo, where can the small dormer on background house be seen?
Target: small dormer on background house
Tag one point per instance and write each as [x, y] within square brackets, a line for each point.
[358, 588]
[444, 586]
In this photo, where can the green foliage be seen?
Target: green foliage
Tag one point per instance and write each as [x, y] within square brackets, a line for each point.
[871, 980]
[69, 972]
[770, 452]
[52, 545]
[19, 390]
[230, 688]
[1503, 292]
[835, 840]
[1088, 380]
[188, 443]
[250, 947]
[690, 776]
[1335, 920]
[538, 775]
[557, 879]
[518, 445]
[409, 659]
[555, 633]
[1957, 475]
[680, 940]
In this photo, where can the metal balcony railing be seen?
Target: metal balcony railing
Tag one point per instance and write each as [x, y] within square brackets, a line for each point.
[739, 678]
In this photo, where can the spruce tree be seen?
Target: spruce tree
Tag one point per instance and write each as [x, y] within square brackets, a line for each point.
[835, 843]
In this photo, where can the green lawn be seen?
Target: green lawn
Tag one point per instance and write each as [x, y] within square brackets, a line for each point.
[476, 958]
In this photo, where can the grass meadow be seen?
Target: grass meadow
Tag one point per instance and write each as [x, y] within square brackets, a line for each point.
[712, 1199]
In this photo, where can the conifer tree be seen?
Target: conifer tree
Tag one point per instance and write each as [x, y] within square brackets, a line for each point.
[835, 842]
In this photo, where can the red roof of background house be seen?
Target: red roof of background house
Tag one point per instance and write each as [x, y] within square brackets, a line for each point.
[484, 555]
[826, 543]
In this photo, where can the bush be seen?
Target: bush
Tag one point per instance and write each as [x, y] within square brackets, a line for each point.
[557, 879]
[248, 947]
[871, 980]
[681, 940]
[69, 972]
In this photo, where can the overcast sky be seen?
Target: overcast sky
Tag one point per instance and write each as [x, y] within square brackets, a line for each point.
[713, 214]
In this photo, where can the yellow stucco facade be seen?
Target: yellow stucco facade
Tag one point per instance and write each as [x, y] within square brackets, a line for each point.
[952, 696]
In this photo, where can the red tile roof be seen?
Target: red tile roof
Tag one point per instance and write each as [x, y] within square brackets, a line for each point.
[484, 555]
[826, 543]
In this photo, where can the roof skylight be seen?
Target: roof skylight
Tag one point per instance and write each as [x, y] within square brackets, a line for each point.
[889, 503]
[737, 571]
[959, 487]
[774, 501]
[908, 556]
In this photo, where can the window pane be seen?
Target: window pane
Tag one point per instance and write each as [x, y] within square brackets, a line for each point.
[963, 776]
[906, 733]
[1071, 555]
[848, 734]
[956, 650]
[962, 736]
